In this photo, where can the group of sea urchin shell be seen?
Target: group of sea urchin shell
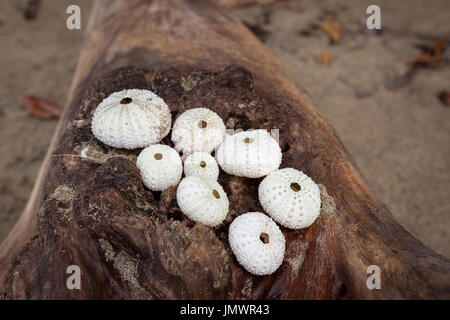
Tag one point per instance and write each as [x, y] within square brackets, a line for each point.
[140, 119]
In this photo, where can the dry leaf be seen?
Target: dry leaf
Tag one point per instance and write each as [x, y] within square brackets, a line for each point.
[41, 108]
[333, 28]
[431, 58]
[324, 57]
[34, 110]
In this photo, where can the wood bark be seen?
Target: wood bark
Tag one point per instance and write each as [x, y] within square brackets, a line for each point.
[89, 207]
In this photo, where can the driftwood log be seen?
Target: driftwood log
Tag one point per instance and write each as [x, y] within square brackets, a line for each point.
[89, 207]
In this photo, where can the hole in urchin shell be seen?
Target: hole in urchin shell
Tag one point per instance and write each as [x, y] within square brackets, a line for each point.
[264, 237]
[248, 140]
[126, 100]
[158, 156]
[295, 186]
[216, 194]
[202, 164]
[202, 124]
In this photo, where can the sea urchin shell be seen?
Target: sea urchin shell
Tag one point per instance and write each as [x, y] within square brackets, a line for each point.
[202, 165]
[202, 200]
[131, 119]
[251, 154]
[160, 167]
[290, 197]
[257, 243]
[198, 129]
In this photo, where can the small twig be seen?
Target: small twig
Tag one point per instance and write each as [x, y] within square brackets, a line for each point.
[402, 79]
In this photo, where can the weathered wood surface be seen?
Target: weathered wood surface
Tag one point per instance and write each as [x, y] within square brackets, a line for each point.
[129, 242]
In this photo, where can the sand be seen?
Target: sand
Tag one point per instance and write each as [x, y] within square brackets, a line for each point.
[400, 138]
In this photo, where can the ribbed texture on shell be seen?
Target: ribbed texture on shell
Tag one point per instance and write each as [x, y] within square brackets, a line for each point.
[253, 254]
[201, 164]
[159, 174]
[196, 199]
[142, 122]
[189, 137]
[290, 208]
[256, 158]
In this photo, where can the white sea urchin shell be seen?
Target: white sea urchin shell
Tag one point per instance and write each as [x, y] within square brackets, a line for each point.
[290, 197]
[160, 167]
[201, 164]
[198, 129]
[131, 119]
[251, 154]
[202, 200]
[257, 243]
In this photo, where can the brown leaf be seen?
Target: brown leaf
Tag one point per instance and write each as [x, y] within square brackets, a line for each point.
[323, 57]
[34, 109]
[48, 106]
[333, 28]
[41, 108]
[432, 57]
